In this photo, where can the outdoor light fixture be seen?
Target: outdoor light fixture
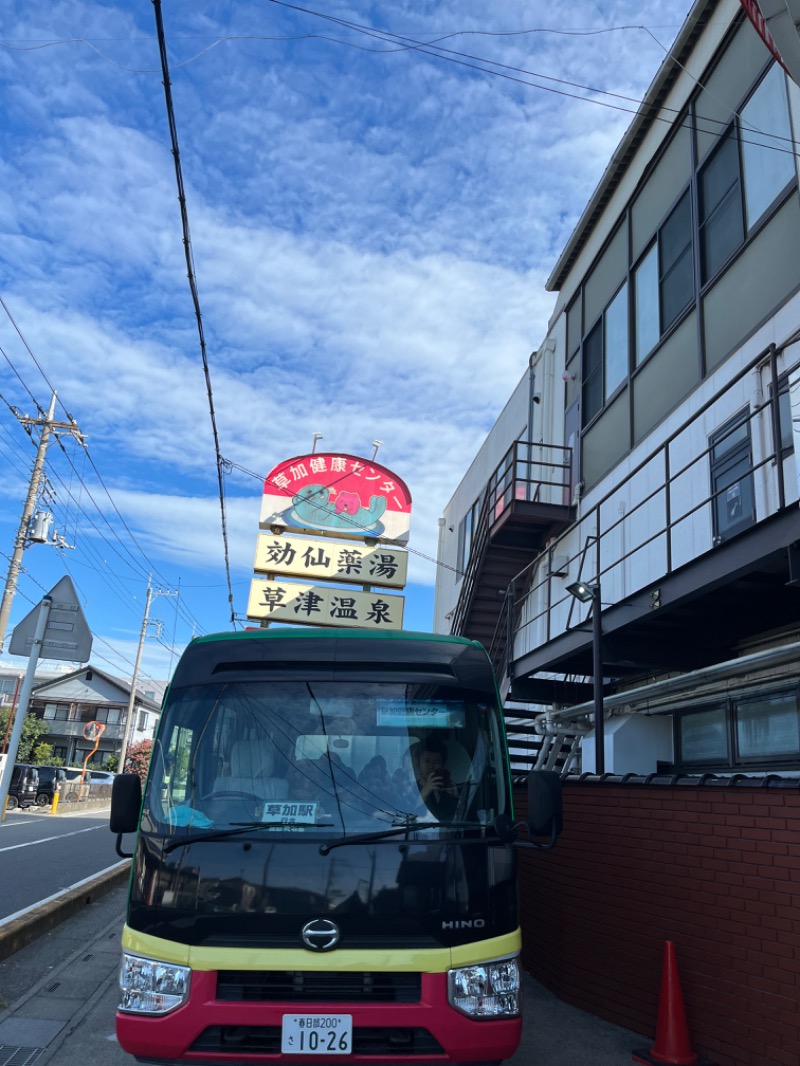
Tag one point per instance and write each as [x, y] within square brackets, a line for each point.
[581, 591]
[586, 593]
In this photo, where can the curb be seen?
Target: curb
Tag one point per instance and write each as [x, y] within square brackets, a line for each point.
[21, 931]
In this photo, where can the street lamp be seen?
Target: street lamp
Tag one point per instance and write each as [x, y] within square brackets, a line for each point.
[586, 594]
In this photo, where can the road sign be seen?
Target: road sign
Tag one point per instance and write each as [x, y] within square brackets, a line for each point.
[67, 634]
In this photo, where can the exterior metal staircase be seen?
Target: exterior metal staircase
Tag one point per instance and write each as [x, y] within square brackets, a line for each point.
[525, 504]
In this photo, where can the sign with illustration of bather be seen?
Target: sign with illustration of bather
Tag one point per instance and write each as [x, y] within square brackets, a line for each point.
[277, 601]
[336, 495]
[291, 555]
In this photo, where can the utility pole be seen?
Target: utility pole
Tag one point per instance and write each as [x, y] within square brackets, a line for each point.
[132, 700]
[48, 425]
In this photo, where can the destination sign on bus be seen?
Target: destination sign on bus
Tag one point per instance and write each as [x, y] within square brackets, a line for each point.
[433, 714]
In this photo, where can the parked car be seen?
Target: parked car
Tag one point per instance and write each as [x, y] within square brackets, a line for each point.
[100, 782]
[72, 791]
[50, 779]
[104, 777]
[24, 783]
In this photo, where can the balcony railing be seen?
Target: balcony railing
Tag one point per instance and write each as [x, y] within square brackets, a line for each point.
[662, 514]
[59, 727]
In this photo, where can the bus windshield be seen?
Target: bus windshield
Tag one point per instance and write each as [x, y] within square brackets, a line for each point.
[325, 758]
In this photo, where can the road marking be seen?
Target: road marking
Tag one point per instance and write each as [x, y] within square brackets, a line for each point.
[57, 895]
[46, 840]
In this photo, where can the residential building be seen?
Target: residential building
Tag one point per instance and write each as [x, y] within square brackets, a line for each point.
[649, 448]
[69, 701]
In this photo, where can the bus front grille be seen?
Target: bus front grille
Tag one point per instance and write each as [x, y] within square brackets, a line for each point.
[243, 986]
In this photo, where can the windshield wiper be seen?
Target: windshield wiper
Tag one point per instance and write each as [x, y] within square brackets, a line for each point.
[238, 828]
[409, 826]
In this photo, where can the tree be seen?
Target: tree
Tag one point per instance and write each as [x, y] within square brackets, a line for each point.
[42, 755]
[137, 758]
[33, 729]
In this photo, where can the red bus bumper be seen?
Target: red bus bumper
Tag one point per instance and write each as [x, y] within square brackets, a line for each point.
[208, 1030]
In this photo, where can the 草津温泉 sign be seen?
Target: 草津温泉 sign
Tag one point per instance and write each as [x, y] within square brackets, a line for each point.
[292, 555]
[336, 495]
[318, 605]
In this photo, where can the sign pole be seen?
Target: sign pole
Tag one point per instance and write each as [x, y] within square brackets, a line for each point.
[24, 699]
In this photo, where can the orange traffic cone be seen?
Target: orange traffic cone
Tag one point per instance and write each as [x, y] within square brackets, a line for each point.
[673, 1045]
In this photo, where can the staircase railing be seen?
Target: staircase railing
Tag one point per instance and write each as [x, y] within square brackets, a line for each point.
[536, 473]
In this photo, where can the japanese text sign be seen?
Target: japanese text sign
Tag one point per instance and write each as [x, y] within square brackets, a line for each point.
[330, 560]
[336, 495]
[318, 605]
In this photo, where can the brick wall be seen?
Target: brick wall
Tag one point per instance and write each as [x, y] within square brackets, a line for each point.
[713, 866]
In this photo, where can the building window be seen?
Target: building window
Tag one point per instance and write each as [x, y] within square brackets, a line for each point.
[785, 424]
[109, 715]
[593, 373]
[767, 146]
[732, 478]
[616, 342]
[767, 726]
[676, 269]
[664, 279]
[466, 532]
[721, 220]
[8, 686]
[645, 291]
[58, 712]
[142, 721]
[754, 730]
[703, 736]
[605, 356]
[747, 172]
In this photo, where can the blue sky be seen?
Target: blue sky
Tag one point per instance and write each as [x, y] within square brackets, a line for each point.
[372, 224]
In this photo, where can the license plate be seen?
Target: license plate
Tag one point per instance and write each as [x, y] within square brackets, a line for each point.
[317, 1034]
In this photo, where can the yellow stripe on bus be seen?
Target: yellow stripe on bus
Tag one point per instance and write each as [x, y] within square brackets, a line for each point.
[431, 960]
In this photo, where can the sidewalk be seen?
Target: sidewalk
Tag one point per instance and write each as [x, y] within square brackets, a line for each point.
[58, 996]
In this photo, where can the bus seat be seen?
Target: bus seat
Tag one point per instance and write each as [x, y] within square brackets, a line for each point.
[251, 766]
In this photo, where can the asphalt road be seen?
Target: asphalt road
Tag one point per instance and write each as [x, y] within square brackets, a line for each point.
[43, 854]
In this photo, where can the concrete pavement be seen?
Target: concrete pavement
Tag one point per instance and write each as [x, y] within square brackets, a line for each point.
[58, 995]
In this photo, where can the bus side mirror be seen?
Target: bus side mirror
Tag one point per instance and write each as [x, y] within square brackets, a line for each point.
[545, 806]
[126, 803]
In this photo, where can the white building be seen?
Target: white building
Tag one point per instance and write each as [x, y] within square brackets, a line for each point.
[648, 448]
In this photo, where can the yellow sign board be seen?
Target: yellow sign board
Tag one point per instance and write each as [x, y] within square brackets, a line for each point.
[319, 605]
[331, 560]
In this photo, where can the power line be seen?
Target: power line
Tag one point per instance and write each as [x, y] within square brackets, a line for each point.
[508, 72]
[431, 47]
[187, 247]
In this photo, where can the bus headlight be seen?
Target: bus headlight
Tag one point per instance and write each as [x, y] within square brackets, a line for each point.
[147, 986]
[487, 991]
